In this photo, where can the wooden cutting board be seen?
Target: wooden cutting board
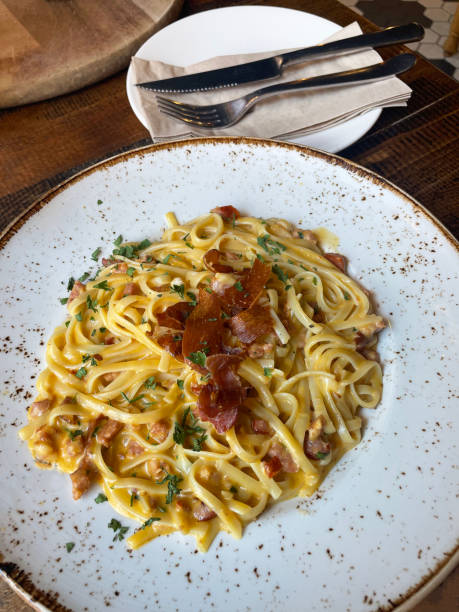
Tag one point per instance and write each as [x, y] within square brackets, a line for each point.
[52, 47]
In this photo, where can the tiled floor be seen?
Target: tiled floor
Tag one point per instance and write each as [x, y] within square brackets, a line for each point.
[434, 15]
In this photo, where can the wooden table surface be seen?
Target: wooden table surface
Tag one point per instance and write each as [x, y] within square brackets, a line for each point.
[415, 147]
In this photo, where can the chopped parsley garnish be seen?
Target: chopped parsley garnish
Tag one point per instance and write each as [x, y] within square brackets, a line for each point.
[70, 283]
[101, 498]
[70, 546]
[212, 319]
[79, 316]
[91, 304]
[102, 329]
[118, 241]
[280, 273]
[192, 297]
[180, 383]
[179, 289]
[67, 323]
[314, 280]
[172, 488]
[130, 271]
[184, 429]
[238, 286]
[269, 245]
[84, 277]
[205, 378]
[260, 257]
[225, 316]
[321, 455]
[134, 497]
[99, 202]
[233, 489]
[346, 295]
[197, 443]
[208, 289]
[103, 285]
[134, 399]
[267, 371]
[189, 245]
[81, 373]
[301, 235]
[198, 357]
[74, 434]
[176, 338]
[95, 254]
[165, 261]
[117, 527]
[63, 300]
[150, 383]
[150, 521]
[144, 244]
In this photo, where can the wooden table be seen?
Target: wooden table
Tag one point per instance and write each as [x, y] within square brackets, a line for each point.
[415, 147]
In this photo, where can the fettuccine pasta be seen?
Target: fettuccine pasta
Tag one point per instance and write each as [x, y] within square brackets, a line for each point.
[204, 377]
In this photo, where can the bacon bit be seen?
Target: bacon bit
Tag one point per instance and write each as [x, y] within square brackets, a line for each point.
[252, 282]
[337, 260]
[108, 262]
[203, 329]
[134, 449]
[38, 409]
[228, 213]
[272, 466]
[130, 289]
[281, 453]
[260, 426]
[182, 504]
[77, 289]
[108, 431]
[201, 512]
[252, 323]
[71, 419]
[121, 268]
[155, 468]
[175, 316]
[211, 261]
[81, 478]
[210, 476]
[98, 357]
[109, 340]
[158, 431]
[365, 335]
[161, 288]
[307, 235]
[230, 256]
[172, 344]
[256, 351]
[74, 447]
[314, 444]
[110, 377]
[219, 286]
[195, 388]
[370, 354]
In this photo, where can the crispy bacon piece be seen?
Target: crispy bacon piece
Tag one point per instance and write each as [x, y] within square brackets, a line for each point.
[248, 288]
[77, 289]
[81, 478]
[227, 212]
[109, 340]
[201, 512]
[314, 445]
[158, 431]
[108, 431]
[257, 351]
[134, 449]
[272, 466]
[252, 323]
[365, 335]
[260, 426]
[130, 289]
[212, 263]
[38, 409]
[337, 260]
[175, 316]
[172, 343]
[219, 400]
[203, 329]
[282, 454]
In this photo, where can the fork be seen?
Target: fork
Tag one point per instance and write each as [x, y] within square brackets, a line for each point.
[228, 113]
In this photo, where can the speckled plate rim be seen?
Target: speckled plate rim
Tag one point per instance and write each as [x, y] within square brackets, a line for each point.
[417, 592]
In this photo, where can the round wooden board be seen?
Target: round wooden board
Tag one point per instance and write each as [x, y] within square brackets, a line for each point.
[52, 47]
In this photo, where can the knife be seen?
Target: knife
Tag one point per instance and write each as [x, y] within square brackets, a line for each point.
[272, 67]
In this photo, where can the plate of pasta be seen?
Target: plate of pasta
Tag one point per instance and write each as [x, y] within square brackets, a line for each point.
[216, 390]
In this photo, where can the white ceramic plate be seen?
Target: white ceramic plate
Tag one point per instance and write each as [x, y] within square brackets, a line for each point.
[383, 522]
[248, 29]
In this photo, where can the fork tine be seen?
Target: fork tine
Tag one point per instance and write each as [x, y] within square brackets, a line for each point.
[182, 105]
[185, 109]
[204, 124]
[177, 112]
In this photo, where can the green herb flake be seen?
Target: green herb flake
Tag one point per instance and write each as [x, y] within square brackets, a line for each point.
[118, 241]
[172, 488]
[95, 254]
[70, 546]
[192, 297]
[233, 489]
[198, 357]
[165, 261]
[205, 378]
[99, 202]
[269, 245]
[321, 455]
[267, 372]
[180, 383]
[346, 295]
[119, 530]
[314, 280]
[225, 316]
[63, 300]
[150, 521]
[208, 289]
[70, 283]
[189, 245]
[101, 498]
[102, 329]
[238, 286]
[103, 285]
[150, 383]
[75, 433]
[179, 290]
[91, 304]
[81, 373]
[280, 273]
[260, 257]
[67, 323]
[84, 277]
[130, 271]
[134, 497]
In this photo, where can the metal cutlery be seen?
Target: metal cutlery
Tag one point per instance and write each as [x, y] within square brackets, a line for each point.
[272, 67]
[228, 113]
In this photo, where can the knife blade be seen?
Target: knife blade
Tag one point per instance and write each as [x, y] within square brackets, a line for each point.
[272, 67]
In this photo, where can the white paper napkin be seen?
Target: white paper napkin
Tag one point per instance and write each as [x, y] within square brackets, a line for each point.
[283, 116]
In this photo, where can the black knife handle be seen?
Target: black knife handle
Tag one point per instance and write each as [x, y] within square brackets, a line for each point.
[390, 36]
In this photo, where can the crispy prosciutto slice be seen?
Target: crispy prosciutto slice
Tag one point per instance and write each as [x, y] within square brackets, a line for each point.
[252, 323]
[219, 400]
[248, 288]
[175, 316]
[172, 343]
[337, 260]
[227, 212]
[212, 262]
[203, 331]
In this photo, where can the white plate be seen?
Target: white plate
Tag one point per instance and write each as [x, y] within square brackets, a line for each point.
[383, 521]
[248, 29]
